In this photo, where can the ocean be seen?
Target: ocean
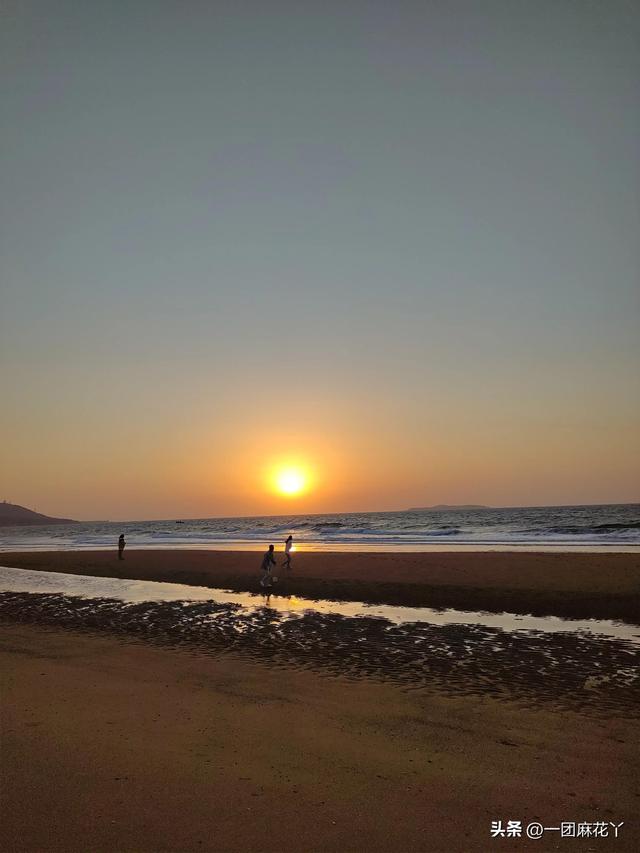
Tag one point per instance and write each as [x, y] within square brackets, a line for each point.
[606, 527]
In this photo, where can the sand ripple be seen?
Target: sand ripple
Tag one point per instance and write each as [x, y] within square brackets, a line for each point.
[568, 669]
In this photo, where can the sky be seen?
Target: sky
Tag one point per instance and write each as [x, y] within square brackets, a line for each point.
[393, 243]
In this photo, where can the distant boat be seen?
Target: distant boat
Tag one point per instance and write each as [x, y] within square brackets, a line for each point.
[179, 522]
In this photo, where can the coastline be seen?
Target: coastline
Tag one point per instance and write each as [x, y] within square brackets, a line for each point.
[253, 733]
[599, 586]
[349, 548]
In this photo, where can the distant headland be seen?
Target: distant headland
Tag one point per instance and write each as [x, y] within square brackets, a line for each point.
[446, 507]
[12, 514]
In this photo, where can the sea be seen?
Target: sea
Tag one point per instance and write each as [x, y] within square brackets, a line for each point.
[609, 527]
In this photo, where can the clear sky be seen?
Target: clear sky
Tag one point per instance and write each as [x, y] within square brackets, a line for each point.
[394, 242]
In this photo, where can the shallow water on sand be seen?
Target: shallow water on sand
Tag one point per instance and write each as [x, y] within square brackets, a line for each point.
[135, 591]
[590, 666]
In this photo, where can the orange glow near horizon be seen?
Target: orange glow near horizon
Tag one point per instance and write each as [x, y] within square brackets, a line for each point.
[179, 464]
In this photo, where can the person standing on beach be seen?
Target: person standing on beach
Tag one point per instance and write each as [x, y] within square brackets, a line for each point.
[121, 544]
[288, 545]
[268, 560]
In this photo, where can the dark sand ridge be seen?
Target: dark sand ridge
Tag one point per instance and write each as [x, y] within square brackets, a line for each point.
[568, 670]
[602, 586]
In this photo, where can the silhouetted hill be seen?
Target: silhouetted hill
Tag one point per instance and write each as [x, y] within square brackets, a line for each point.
[446, 507]
[11, 514]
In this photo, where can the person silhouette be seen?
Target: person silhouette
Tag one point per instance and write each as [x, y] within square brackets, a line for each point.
[121, 546]
[288, 545]
[268, 560]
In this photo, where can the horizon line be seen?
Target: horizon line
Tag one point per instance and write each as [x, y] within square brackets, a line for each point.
[351, 512]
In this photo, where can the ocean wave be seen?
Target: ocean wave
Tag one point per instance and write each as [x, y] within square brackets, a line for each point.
[606, 525]
[585, 529]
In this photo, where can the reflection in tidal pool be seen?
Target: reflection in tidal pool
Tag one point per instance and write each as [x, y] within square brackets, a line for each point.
[588, 666]
[134, 591]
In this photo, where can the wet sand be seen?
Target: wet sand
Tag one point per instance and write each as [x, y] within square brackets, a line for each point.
[568, 670]
[180, 726]
[113, 745]
[599, 586]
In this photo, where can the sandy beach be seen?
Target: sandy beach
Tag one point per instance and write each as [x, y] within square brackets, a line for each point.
[109, 745]
[185, 726]
[604, 586]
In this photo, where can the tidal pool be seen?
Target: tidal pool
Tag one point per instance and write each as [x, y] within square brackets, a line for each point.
[135, 591]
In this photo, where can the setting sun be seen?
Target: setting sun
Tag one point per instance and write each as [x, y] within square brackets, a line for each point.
[289, 477]
[290, 481]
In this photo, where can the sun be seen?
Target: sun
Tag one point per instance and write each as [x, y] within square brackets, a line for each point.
[290, 476]
[290, 481]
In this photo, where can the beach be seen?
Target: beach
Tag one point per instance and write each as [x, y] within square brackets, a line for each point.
[179, 726]
[109, 745]
[354, 284]
[603, 586]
